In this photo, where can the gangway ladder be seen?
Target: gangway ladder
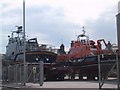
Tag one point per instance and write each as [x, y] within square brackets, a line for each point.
[102, 80]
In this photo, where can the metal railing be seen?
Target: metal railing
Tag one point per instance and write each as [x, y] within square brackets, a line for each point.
[14, 73]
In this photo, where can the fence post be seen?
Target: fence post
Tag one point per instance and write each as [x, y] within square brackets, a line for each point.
[41, 72]
[118, 77]
[9, 67]
[99, 72]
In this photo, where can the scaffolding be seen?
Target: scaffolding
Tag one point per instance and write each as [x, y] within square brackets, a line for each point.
[103, 77]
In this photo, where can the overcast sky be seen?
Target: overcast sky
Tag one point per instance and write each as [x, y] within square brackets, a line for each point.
[59, 21]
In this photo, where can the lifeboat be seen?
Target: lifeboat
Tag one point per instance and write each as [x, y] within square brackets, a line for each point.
[83, 47]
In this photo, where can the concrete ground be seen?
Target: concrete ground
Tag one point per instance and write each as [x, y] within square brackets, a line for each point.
[93, 85]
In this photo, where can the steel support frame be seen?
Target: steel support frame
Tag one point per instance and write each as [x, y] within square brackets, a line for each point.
[101, 82]
[118, 72]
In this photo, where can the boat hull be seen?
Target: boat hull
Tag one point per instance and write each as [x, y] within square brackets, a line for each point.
[36, 56]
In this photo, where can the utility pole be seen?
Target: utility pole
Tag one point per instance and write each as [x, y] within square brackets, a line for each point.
[24, 79]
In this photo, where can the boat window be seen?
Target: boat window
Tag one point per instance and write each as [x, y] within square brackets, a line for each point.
[32, 41]
[10, 41]
[13, 40]
[12, 53]
[83, 41]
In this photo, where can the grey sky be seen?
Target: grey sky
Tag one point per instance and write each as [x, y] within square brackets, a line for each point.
[54, 24]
